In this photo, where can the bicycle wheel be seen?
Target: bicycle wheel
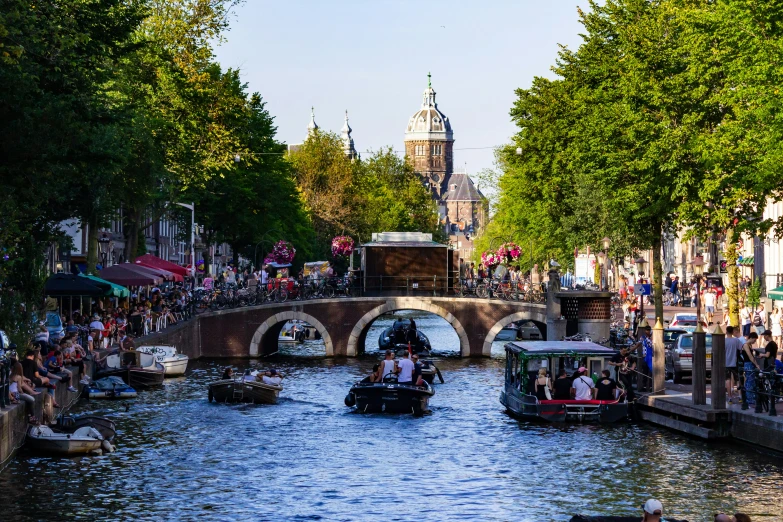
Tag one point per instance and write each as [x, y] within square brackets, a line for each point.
[482, 291]
[281, 295]
[329, 291]
[347, 291]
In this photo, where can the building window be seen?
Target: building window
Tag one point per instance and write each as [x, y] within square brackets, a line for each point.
[437, 150]
[453, 186]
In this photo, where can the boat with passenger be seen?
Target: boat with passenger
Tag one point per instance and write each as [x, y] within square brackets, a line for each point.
[389, 396]
[250, 387]
[402, 335]
[524, 360]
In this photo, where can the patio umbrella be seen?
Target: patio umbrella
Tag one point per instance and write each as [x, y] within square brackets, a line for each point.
[115, 290]
[156, 262]
[165, 274]
[126, 274]
[60, 285]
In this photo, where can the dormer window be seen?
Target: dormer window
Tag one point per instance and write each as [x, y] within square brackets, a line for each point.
[453, 187]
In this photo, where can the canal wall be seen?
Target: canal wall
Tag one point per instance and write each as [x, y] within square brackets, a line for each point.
[13, 418]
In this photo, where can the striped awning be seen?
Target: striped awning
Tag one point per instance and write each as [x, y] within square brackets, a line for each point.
[746, 261]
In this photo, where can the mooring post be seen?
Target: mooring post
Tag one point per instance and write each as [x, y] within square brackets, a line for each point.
[718, 380]
[699, 362]
[659, 360]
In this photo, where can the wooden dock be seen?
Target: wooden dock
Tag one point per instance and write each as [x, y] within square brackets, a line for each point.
[675, 410]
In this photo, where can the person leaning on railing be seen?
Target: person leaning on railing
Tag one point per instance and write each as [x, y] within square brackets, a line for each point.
[748, 363]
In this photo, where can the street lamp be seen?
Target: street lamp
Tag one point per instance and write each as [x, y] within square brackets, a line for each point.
[605, 272]
[698, 269]
[640, 266]
[103, 244]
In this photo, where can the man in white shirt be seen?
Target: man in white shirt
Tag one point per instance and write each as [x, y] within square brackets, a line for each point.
[272, 377]
[406, 370]
[745, 320]
[583, 386]
[709, 304]
[733, 346]
[96, 323]
[264, 275]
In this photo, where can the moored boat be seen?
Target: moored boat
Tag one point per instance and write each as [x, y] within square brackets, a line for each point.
[403, 334]
[525, 358]
[139, 370]
[174, 364]
[111, 387]
[68, 424]
[242, 389]
[389, 396]
[83, 440]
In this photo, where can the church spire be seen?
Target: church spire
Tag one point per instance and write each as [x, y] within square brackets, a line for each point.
[312, 126]
[345, 136]
[429, 94]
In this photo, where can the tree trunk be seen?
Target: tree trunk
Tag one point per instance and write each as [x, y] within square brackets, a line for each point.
[92, 244]
[658, 274]
[732, 291]
[132, 237]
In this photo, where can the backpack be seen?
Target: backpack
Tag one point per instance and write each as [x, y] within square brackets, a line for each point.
[757, 319]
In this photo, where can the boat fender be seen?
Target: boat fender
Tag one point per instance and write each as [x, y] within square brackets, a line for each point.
[107, 447]
[350, 400]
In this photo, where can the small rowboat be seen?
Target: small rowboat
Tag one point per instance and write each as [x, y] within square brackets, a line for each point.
[242, 390]
[84, 440]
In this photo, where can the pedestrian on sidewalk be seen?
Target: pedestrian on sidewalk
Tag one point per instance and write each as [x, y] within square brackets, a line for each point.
[733, 347]
[675, 290]
[774, 325]
[749, 366]
[760, 320]
[745, 317]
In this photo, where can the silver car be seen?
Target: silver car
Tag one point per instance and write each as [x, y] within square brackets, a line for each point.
[679, 360]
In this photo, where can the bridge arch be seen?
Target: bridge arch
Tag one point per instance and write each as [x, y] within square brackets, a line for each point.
[267, 333]
[359, 332]
[540, 322]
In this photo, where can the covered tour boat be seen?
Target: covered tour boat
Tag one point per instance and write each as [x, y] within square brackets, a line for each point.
[389, 396]
[525, 358]
[401, 334]
[244, 388]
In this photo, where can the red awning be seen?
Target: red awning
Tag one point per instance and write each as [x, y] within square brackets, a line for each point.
[126, 275]
[156, 262]
[151, 270]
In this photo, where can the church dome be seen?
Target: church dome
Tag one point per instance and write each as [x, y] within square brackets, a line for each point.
[428, 123]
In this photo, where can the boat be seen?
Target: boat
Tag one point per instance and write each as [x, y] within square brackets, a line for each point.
[389, 396]
[68, 424]
[525, 358]
[519, 331]
[83, 440]
[399, 336]
[292, 333]
[241, 389]
[137, 369]
[584, 518]
[429, 371]
[174, 364]
[110, 387]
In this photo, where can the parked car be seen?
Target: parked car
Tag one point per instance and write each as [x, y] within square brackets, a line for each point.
[685, 321]
[679, 360]
[670, 336]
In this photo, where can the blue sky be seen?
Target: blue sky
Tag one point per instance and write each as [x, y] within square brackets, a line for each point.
[371, 57]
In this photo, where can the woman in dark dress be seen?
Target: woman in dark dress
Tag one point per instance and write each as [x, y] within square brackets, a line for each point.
[542, 385]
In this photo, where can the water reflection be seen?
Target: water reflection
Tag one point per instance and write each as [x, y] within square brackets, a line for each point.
[310, 457]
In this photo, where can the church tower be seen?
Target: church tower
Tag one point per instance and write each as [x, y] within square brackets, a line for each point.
[345, 135]
[429, 143]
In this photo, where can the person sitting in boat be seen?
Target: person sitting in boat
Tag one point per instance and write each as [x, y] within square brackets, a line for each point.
[272, 377]
[248, 376]
[583, 385]
[606, 387]
[653, 511]
[228, 373]
[376, 373]
[418, 380]
[562, 386]
[543, 386]
[388, 365]
[405, 370]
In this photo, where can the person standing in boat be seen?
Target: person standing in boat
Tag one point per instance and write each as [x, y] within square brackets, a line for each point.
[562, 386]
[405, 369]
[388, 365]
[543, 386]
[606, 387]
[412, 331]
[583, 386]
[417, 378]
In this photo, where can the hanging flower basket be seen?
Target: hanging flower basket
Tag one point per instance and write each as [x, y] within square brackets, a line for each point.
[490, 259]
[342, 246]
[508, 252]
[282, 253]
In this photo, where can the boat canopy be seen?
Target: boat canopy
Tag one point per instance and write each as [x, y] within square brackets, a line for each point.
[545, 349]
[115, 290]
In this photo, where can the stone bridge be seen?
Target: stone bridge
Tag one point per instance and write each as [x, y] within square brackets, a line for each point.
[344, 322]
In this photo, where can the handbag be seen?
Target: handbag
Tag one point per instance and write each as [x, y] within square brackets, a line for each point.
[547, 392]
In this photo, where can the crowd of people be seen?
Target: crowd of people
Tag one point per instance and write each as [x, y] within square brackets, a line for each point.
[408, 370]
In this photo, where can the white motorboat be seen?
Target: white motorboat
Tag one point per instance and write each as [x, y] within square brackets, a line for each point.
[84, 440]
[291, 333]
[174, 363]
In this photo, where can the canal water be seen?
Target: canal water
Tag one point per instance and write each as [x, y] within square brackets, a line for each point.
[311, 458]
